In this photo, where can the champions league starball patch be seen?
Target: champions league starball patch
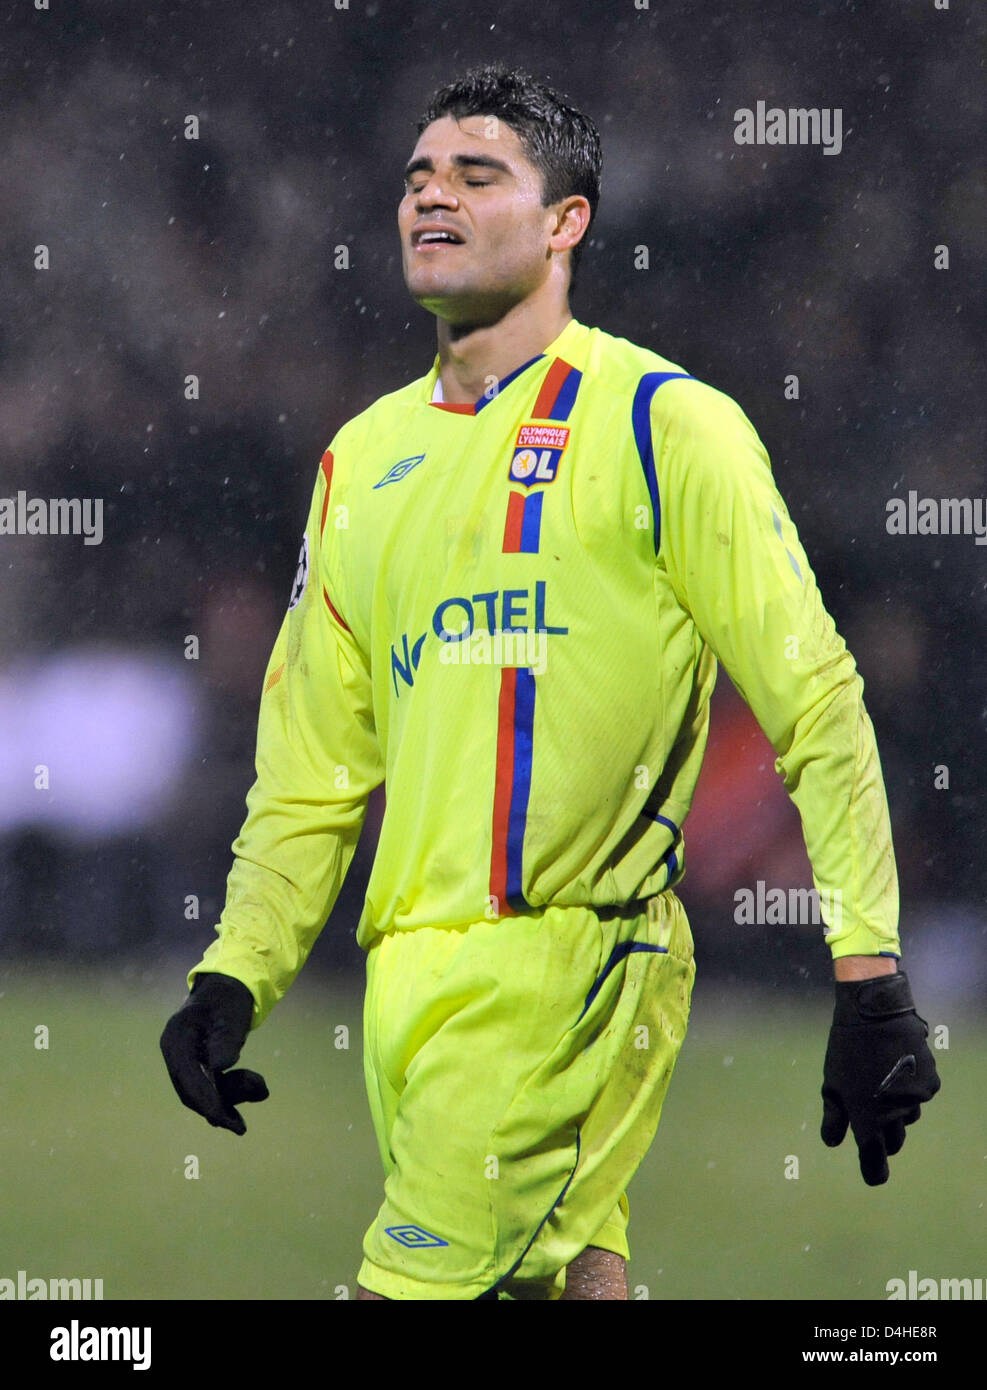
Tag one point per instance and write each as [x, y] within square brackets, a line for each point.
[301, 576]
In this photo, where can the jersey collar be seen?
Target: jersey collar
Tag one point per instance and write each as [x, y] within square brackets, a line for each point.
[558, 345]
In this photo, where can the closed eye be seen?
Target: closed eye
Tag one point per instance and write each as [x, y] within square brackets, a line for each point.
[415, 189]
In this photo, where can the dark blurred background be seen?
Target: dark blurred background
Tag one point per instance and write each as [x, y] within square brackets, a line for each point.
[217, 257]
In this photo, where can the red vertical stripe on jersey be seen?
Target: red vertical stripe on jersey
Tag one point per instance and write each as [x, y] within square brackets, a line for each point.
[503, 787]
[335, 611]
[514, 523]
[550, 388]
[327, 470]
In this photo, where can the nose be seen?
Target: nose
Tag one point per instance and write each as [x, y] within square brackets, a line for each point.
[434, 192]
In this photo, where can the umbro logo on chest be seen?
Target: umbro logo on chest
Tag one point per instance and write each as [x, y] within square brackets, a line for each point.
[399, 470]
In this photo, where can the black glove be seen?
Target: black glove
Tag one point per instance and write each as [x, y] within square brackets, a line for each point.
[204, 1038]
[878, 1070]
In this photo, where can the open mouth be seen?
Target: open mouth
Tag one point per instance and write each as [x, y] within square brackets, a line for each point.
[423, 238]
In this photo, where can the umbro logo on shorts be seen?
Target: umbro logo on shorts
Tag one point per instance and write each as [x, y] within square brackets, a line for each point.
[399, 469]
[414, 1237]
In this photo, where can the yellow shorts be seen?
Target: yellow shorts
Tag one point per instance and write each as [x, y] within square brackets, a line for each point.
[516, 1071]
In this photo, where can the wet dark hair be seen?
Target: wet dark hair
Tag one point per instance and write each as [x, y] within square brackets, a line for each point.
[562, 143]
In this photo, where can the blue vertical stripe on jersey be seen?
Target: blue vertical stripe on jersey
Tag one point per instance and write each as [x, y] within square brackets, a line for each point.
[531, 523]
[566, 398]
[524, 723]
[641, 424]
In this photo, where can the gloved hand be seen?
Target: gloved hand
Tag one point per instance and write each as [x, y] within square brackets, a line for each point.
[202, 1040]
[878, 1070]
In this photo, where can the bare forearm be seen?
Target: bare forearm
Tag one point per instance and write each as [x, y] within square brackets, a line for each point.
[863, 967]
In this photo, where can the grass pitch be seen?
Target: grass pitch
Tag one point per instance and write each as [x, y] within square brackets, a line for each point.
[95, 1150]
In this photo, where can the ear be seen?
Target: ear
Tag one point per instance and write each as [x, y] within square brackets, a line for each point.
[571, 218]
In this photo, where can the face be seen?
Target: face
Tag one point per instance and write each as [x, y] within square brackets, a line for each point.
[475, 238]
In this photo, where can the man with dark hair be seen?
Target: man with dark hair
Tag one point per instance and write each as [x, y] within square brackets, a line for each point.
[558, 141]
[515, 580]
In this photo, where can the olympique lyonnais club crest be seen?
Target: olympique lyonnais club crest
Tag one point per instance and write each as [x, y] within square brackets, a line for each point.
[538, 452]
[301, 576]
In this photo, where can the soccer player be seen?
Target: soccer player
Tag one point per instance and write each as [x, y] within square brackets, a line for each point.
[516, 578]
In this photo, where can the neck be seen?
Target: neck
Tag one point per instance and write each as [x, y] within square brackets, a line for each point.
[470, 358]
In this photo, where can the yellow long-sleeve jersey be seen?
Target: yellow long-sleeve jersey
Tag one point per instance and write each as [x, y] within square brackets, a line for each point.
[511, 613]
